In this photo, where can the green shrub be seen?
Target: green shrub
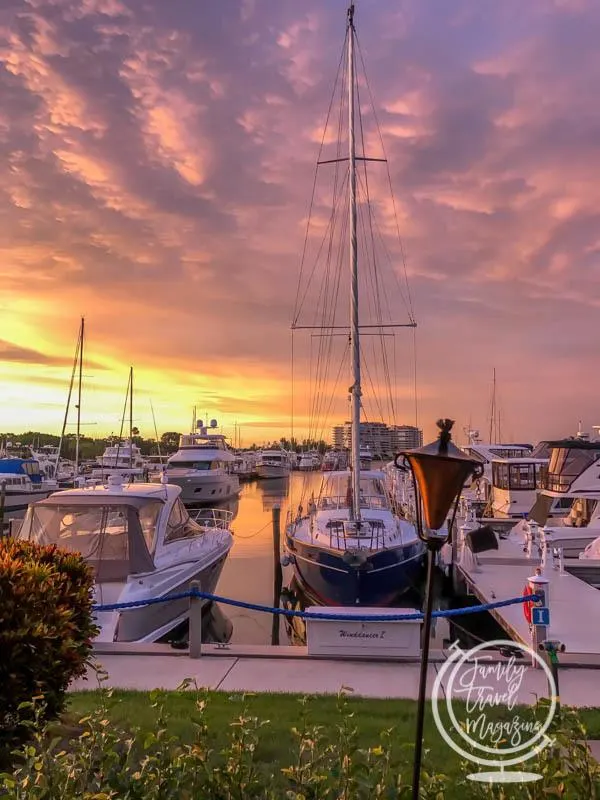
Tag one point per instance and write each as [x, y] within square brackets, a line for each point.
[46, 627]
[104, 762]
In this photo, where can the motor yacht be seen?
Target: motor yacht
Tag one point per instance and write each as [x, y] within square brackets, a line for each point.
[273, 463]
[203, 467]
[309, 461]
[573, 480]
[141, 543]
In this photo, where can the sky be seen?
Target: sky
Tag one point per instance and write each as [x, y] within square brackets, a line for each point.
[156, 167]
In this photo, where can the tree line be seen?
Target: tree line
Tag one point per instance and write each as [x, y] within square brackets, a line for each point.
[91, 448]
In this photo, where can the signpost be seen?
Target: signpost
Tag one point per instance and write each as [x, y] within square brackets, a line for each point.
[540, 616]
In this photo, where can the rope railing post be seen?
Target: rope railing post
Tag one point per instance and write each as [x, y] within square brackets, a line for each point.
[195, 635]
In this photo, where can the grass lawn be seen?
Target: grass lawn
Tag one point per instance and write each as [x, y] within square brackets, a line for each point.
[277, 745]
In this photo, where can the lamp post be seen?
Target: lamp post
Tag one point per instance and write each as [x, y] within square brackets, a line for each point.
[439, 472]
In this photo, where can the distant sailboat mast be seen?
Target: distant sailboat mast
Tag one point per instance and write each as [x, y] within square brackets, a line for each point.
[130, 417]
[355, 389]
[77, 361]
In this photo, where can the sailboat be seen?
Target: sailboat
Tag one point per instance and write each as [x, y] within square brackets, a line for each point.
[347, 546]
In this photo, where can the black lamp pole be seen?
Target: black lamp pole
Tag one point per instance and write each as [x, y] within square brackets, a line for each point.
[432, 549]
[439, 472]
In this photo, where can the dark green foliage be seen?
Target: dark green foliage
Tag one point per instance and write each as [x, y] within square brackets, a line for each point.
[46, 627]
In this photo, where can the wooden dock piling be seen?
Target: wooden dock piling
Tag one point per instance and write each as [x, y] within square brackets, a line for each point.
[277, 571]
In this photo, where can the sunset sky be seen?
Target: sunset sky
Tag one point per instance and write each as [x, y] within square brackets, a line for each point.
[156, 166]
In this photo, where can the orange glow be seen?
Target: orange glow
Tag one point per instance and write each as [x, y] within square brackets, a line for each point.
[155, 177]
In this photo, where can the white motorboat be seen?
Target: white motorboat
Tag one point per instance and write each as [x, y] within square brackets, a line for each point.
[203, 468]
[309, 461]
[478, 493]
[571, 483]
[514, 488]
[366, 457]
[141, 543]
[123, 455]
[273, 464]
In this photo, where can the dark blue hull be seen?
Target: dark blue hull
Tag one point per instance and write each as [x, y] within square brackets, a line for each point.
[379, 581]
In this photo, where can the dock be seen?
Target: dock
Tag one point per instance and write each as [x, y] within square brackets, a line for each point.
[574, 604]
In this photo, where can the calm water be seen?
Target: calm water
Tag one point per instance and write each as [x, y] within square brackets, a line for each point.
[249, 573]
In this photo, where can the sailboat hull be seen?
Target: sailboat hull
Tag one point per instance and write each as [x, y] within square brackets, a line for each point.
[384, 576]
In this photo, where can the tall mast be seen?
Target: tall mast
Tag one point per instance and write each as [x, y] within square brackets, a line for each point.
[355, 390]
[130, 417]
[81, 335]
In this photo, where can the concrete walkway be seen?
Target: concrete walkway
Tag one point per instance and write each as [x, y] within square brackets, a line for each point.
[230, 673]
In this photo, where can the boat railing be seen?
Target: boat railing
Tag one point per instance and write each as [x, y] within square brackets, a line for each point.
[374, 502]
[370, 532]
[213, 518]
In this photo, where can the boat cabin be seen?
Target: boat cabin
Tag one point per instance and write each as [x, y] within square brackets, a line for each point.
[29, 468]
[336, 491]
[274, 457]
[515, 484]
[572, 467]
[115, 534]
[485, 454]
[573, 472]
[201, 452]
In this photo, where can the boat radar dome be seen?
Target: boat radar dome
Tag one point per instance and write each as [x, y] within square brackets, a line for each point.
[115, 481]
[213, 423]
[200, 424]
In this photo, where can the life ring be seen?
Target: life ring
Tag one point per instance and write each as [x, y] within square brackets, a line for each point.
[527, 605]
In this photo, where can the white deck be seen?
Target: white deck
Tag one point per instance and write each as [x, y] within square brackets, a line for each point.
[574, 604]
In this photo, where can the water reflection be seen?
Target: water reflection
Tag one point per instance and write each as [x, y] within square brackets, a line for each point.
[252, 569]
[274, 492]
[217, 628]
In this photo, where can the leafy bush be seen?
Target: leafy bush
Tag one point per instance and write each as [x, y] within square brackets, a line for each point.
[103, 762]
[46, 627]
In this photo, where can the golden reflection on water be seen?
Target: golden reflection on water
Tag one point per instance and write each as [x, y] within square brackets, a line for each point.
[248, 571]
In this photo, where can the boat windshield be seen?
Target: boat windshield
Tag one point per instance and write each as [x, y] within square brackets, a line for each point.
[336, 492]
[566, 464]
[98, 532]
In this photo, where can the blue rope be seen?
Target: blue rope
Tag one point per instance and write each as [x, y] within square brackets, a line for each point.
[288, 612]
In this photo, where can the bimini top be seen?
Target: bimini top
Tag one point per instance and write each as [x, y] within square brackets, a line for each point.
[116, 494]
[21, 466]
[113, 531]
